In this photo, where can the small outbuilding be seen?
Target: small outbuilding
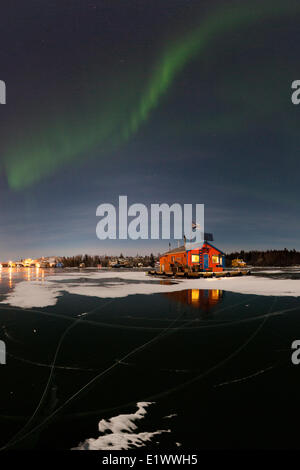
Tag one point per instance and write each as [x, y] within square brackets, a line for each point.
[205, 258]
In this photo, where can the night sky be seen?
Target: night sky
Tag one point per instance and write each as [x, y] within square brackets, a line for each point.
[164, 101]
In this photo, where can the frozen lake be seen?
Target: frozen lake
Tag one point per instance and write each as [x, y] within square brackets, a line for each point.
[114, 359]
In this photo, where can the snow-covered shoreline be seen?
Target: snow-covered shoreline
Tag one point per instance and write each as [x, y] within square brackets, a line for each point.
[29, 294]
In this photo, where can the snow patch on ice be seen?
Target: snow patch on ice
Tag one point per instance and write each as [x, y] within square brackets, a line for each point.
[271, 271]
[28, 294]
[118, 433]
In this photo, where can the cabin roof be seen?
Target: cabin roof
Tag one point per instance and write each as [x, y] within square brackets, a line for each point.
[218, 249]
[182, 249]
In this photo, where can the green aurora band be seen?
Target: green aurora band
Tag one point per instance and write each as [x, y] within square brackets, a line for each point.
[63, 140]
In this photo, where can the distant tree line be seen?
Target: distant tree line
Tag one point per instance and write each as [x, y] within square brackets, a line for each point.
[266, 258]
[91, 261]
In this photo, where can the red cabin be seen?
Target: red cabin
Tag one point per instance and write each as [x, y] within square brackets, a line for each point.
[205, 258]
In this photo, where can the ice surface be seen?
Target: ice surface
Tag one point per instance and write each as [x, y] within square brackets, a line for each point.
[28, 294]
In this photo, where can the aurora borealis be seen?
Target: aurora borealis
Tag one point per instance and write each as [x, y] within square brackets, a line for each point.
[61, 142]
[142, 93]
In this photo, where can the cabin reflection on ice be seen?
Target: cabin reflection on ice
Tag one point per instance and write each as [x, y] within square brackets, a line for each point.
[204, 299]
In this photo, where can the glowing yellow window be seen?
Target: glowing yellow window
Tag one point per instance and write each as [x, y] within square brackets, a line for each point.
[215, 259]
[195, 258]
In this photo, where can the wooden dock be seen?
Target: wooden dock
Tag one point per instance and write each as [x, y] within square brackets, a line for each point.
[198, 274]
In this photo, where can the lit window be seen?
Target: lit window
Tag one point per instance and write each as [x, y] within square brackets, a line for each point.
[195, 258]
[215, 259]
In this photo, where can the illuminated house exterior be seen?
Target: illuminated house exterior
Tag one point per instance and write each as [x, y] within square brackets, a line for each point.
[205, 258]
